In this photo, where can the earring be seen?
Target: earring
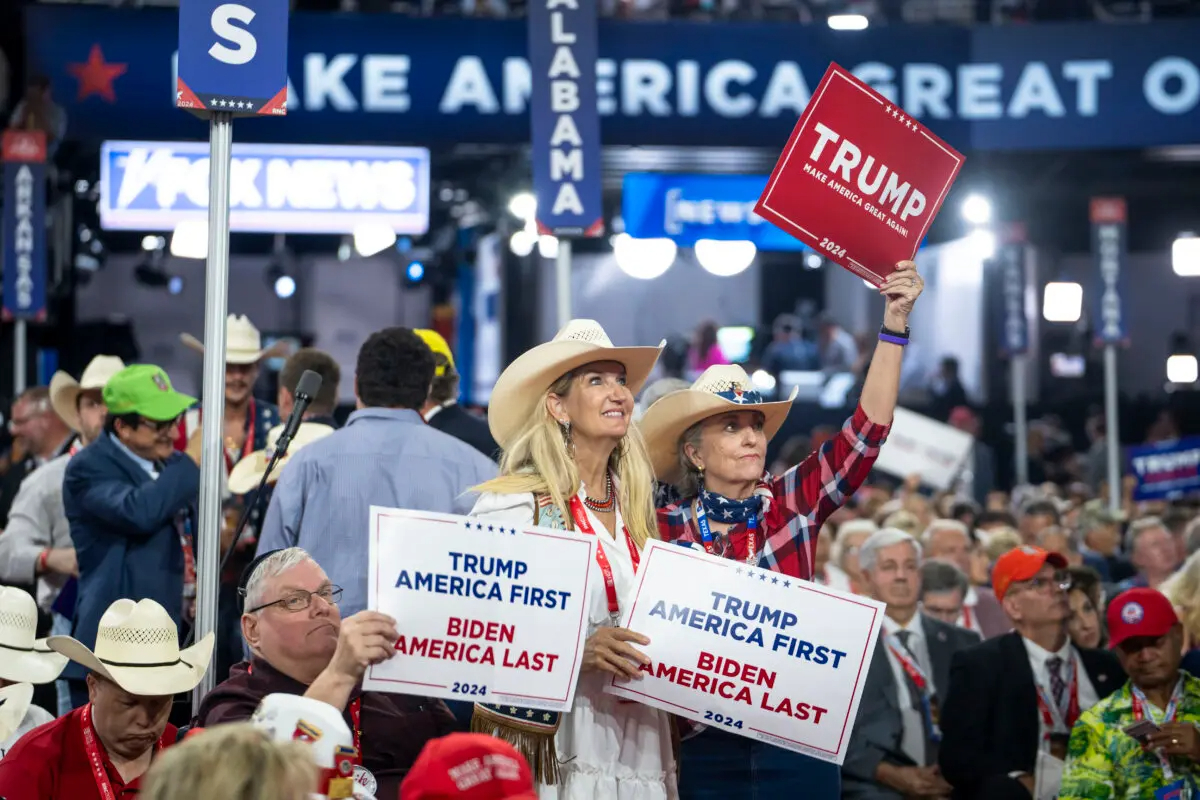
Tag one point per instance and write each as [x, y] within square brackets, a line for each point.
[566, 432]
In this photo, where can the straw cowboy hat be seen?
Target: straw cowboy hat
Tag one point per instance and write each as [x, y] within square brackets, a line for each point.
[137, 648]
[246, 474]
[522, 384]
[24, 659]
[720, 388]
[65, 390]
[14, 702]
[243, 342]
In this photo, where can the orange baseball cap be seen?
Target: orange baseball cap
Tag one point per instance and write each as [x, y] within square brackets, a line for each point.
[1021, 564]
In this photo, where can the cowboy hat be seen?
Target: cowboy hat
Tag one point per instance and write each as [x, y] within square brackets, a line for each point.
[243, 342]
[522, 384]
[137, 648]
[65, 390]
[720, 388]
[14, 703]
[246, 474]
[24, 659]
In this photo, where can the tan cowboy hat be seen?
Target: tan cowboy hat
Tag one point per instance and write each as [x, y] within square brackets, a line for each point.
[137, 648]
[522, 384]
[14, 703]
[65, 390]
[243, 342]
[24, 659]
[720, 388]
[246, 474]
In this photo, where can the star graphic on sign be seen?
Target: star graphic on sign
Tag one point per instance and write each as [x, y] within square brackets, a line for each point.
[787, 584]
[895, 113]
[529, 714]
[512, 709]
[762, 576]
[546, 717]
[492, 528]
[96, 75]
[739, 570]
[774, 579]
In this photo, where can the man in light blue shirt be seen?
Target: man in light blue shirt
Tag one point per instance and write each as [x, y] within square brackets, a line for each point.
[385, 456]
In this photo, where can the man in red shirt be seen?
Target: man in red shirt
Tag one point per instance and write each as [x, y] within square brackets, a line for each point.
[101, 750]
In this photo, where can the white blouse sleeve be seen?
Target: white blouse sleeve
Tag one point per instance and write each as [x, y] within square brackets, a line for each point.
[511, 509]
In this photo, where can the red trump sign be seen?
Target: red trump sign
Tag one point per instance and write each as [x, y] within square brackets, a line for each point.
[859, 181]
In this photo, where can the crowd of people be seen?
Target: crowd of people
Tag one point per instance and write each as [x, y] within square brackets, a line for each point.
[1023, 637]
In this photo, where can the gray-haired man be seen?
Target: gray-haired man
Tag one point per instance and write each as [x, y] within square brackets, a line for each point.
[893, 750]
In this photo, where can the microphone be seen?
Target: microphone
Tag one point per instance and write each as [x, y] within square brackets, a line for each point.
[306, 389]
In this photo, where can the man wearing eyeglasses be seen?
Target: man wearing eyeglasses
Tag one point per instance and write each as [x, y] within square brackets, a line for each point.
[300, 644]
[130, 499]
[1013, 699]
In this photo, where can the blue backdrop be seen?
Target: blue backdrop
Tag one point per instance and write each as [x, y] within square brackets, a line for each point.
[388, 78]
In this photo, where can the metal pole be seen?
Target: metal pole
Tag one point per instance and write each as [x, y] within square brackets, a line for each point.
[1020, 423]
[1111, 432]
[562, 281]
[212, 398]
[19, 368]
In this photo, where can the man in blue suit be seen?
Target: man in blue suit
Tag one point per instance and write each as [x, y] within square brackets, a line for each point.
[129, 498]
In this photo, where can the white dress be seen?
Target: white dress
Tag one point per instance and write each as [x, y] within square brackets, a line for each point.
[608, 750]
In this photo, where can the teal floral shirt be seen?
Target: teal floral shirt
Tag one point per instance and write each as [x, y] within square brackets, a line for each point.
[1104, 763]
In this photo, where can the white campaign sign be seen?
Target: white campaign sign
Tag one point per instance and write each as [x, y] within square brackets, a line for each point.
[751, 651]
[917, 444]
[486, 612]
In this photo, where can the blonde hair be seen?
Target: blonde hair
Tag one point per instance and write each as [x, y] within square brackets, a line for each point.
[1183, 590]
[233, 762]
[537, 461]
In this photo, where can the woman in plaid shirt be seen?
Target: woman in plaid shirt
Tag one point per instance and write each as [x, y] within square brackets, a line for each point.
[710, 441]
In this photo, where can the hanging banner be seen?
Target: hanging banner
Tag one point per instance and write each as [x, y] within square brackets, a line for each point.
[486, 612]
[1014, 321]
[1165, 470]
[24, 156]
[750, 651]
[233, 57]
[859, 181]
[1110, 246]
[564, 117]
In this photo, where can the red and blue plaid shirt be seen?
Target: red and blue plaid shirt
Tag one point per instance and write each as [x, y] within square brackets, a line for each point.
[796, 503]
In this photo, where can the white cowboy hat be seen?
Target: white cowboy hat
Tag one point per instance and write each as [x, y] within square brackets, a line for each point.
[524, 382]
[14, 702]
[720, 388]
[24, 659]
[65, 390]
[137, 648]
[243, 342]
[246, 474]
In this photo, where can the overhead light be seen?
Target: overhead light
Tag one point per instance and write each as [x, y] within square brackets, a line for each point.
[724, 258]
[1182, 369]
[371, 238]
[523, 206]
[522, 243]
[190, 239]
[644, 259]
[1062, 301]
[415, 271]
[547, 246]
[1185, 255]
[977, 209]
[763, 380]
[848, 22]
[153, 242]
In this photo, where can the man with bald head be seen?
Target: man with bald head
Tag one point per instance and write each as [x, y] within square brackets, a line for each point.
[949, 540]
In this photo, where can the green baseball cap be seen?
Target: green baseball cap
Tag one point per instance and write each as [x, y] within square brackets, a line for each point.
[146, 390]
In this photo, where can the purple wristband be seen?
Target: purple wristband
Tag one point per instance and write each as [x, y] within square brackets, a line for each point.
[887, 337]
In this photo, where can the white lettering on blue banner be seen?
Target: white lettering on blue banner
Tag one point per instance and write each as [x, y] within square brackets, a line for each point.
[1015, 336]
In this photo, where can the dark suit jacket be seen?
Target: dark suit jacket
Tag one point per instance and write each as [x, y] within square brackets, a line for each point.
[465, 426]
[879, 728]
[123, 525]
[990, 724]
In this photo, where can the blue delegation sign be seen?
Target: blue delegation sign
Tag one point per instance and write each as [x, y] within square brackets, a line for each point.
[233, 56]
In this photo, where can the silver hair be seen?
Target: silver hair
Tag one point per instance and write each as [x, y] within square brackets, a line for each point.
[1073, 538]
[1138, 527]
[837, 553]
[868, 551]
[942, 576]
[691, 477]
[272, 566]
[944, 525]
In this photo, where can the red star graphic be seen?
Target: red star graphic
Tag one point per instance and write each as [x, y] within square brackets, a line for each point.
[96, 76]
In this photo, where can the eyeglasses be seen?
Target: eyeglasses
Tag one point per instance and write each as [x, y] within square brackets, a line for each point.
[300, 600]
[1060, 581]
[159, 426]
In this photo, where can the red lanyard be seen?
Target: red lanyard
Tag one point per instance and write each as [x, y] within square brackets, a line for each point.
[356, 719]
[610, 584]
[92, 747]
[968, 622]
[1051, 714]
[910, 667]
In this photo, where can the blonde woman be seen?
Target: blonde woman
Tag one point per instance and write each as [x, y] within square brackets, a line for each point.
[562, 414]
[232, 762]
[1183, 590]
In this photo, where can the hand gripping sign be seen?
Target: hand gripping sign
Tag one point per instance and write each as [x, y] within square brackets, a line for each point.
[486, 612]
[751, 651]
[859, 181]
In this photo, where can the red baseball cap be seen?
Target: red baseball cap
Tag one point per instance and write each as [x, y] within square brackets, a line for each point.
[1139, 612]
[469, 766]
[1021, 564]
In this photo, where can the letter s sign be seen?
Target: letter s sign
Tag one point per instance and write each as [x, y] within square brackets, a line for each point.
[223, 17]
